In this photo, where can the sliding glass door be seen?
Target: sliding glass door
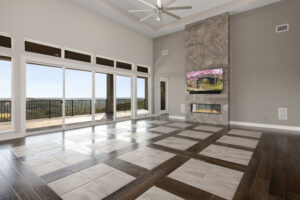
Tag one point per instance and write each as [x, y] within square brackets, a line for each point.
[104, 97]
[59, 96]
[44, 90]
[5, 94]
[78, 96]
[123, 96]
[142, 95]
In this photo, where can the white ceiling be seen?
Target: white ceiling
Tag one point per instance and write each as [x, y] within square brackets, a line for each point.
[118, 11]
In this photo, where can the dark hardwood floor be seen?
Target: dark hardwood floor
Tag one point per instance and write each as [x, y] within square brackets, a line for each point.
[273, 172]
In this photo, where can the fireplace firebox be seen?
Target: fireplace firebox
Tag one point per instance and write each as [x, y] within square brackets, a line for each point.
[206, 108]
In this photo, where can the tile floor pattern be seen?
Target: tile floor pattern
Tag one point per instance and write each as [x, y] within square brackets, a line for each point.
[130, 140]
[163, 129]
[208, 177]
[107, 146]
[96, 182]
[195, 134]
[251, 143]
[207, 128]
[176, 143]
[157, 122]
[46, 164]
[138, 136]
[155, 193]
[147, 157]
[180, 124]
[35, 148]
[228, 154]
[246, 133]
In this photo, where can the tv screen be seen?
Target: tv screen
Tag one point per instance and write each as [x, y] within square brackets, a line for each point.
[205, 81]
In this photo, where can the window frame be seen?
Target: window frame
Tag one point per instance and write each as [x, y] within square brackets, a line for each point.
[11, 40]
[12, 128]
[79, 52]
[44, 44]
[90, 67]
[107, 58]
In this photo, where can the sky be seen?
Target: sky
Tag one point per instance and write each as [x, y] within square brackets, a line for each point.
[141, 87]
[123, 87]
[46, 82]
[5, 79]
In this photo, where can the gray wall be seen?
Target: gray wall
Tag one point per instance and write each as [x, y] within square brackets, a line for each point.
[264, 65]
[66, 24]
[171, 66]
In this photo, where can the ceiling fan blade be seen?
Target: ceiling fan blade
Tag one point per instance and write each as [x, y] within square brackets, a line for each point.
[171, 14]
[133, 11]
[170, 2]
[146, 17]
[148, 4]
[158, 3]
[179, 8]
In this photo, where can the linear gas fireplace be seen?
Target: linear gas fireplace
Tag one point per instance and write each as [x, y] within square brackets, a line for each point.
[206, 108]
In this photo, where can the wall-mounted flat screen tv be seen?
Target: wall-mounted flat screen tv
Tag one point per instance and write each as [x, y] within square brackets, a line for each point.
[205, 81]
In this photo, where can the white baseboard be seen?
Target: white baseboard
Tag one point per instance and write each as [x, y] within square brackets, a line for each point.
[177, 117]
[10, 136]
[268, 126]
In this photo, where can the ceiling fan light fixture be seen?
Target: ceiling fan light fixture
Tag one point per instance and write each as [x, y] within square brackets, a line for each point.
[159, 9]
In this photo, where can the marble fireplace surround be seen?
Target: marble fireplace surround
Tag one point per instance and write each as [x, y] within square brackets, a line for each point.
[207, 47]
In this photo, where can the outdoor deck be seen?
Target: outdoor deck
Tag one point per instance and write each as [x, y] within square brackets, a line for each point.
[57, 121]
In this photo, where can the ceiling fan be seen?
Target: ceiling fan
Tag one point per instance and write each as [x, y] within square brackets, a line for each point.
[159, 9]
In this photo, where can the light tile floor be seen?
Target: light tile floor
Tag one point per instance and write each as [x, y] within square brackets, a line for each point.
[157, 122]
[228, 154]
[207, 128]
[251, 143]
[95, 182]
[48, 167]
[254, 134]
[138, 136]
[163, 129]
[35, 148]
[180, 124]
[176, 143]
[47, 164]
[108, 145]
[156, 193]
[146, 157]
[195, 134]
[208, 177]
[101, 180]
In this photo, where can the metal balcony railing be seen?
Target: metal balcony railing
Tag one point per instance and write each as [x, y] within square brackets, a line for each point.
[5, 111]
[50, 108]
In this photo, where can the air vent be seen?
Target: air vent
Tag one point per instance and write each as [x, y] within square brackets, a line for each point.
[282, 28]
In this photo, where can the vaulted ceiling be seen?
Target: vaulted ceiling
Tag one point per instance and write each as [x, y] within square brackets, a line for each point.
[201, 9]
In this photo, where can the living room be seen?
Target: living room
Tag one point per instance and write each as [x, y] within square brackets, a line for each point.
[149, 99]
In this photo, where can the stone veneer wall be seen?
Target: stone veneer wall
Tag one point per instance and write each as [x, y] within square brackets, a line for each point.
[207, 47]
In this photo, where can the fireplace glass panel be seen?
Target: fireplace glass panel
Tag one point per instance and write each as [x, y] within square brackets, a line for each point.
[206, 108]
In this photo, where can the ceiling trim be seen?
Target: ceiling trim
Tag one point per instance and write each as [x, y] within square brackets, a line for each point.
[104, 7]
